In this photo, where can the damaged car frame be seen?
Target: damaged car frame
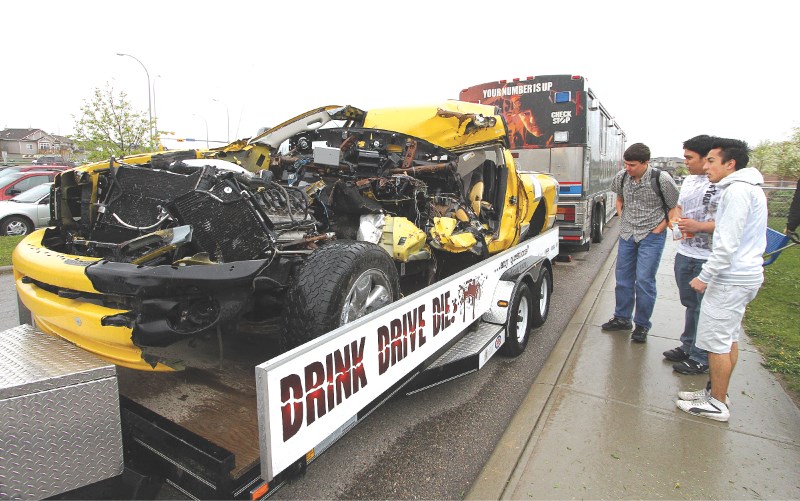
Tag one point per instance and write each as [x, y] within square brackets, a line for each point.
[307, 226]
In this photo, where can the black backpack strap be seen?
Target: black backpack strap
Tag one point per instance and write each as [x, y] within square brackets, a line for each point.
[655, 182]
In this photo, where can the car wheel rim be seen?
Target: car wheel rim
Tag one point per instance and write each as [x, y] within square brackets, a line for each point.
[371, 291]
[16, 228]
[522, 319]
[544, 291]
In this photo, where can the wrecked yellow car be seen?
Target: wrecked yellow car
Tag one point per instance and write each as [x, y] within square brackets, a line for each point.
[308, 225]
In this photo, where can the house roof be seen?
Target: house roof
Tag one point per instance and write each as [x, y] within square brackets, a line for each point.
[18, 134]
[61, 139]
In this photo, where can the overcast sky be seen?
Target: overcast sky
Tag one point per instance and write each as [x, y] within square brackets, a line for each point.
[666, 73]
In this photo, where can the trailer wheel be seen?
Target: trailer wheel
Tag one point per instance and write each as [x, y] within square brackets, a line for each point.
[542, 292]
[598, 223]
[519, 321]
[338, 283]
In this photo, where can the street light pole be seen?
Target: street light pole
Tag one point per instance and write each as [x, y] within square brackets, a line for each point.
[206, 122]
[228, 114]
[155, 111]
[149, 98]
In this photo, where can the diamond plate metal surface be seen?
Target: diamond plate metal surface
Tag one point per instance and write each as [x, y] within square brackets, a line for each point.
[59, 420]
[469, 345]
[33, 361]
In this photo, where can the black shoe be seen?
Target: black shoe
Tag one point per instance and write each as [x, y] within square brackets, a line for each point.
[676, 355]
[690, 367]
[617, 324]
[640, 334]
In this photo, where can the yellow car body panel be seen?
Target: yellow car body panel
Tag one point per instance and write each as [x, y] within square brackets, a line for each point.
[403, 240]
[443, 236]
[78, 322]
[449, 124]
[31, 259]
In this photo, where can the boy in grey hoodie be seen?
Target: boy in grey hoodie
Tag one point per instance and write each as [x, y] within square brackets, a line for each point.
[733, 273]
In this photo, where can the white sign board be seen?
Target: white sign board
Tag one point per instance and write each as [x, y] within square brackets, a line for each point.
[307, 394]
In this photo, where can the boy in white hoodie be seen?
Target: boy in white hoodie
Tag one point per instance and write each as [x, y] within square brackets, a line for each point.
[733, 273]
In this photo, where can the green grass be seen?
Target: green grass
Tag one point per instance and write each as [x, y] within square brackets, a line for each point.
[773, 318]
[7, 245]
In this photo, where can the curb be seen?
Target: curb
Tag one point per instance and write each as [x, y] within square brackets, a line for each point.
[498, 472]
[6, 269]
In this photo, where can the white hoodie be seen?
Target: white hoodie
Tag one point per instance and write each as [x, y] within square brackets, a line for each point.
[740, 236]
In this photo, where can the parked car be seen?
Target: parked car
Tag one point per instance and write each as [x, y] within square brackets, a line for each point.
[14, 183]
[53, 160]
[33, 168]
[25, 212]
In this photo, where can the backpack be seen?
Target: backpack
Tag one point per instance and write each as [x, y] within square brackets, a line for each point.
[655, 183]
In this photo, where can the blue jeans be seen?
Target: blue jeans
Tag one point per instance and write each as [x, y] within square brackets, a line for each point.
[637, 263]
[687, 268]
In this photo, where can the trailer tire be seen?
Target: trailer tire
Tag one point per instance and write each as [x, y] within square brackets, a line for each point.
[338, 283]
[542, 292]
[518, 324]
[598, 223]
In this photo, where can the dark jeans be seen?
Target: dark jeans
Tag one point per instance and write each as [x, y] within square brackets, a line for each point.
[687, 268]
[637, 263]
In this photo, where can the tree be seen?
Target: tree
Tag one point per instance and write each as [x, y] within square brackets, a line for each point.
[781, 158]
[109, 126]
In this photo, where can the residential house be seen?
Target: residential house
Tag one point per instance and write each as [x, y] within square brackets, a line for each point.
[669, 164]
[19, 145]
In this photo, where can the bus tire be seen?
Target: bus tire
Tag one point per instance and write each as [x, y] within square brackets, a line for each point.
[598, 223]
[338, 283]
[518, 325]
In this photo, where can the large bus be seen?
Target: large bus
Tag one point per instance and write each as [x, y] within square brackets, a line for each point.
[556, 124]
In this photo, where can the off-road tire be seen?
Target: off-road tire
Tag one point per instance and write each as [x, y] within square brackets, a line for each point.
[518, 325]
[319, 287]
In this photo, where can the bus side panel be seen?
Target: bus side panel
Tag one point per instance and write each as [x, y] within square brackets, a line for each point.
[604, 159]
[567, 165]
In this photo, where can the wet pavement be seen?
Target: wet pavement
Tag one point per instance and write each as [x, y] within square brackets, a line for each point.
[601, 422]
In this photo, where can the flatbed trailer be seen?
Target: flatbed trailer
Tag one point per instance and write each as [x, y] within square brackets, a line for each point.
[241, 429]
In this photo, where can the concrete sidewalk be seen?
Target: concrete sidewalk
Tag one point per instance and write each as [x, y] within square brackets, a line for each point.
[601, 422]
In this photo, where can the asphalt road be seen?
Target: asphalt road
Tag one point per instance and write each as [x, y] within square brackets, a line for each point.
[433, 444]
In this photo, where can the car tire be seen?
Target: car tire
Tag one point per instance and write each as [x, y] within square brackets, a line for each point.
[518, 325]
[598, 223]
[542, 292]
[15, 226]
[338, 283]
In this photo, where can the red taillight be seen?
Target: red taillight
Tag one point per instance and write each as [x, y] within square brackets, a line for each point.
[566, 213]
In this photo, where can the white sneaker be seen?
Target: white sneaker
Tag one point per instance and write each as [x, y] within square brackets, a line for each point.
[693, 395]
[703, 394]
[710, 408]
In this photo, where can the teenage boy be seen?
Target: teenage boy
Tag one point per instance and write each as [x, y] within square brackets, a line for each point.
[697, 206]
[641, 205]
[733, 273]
